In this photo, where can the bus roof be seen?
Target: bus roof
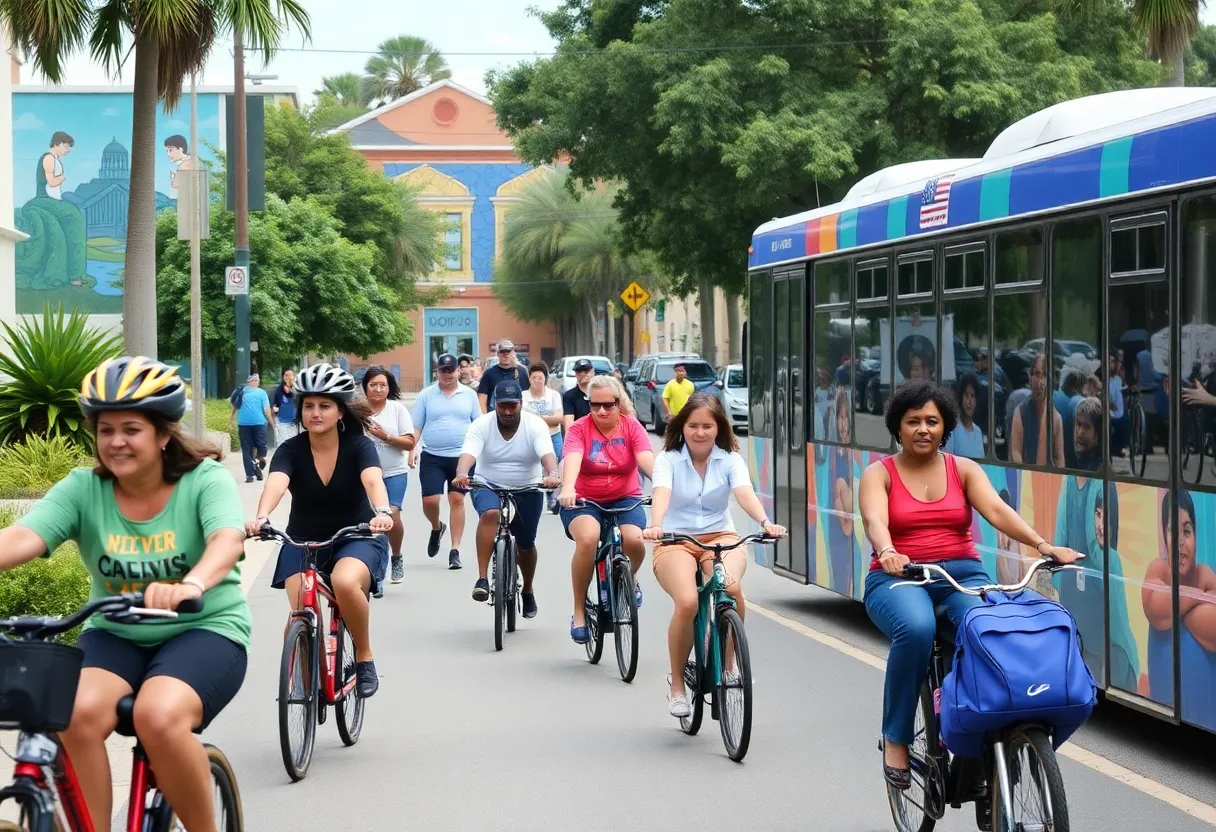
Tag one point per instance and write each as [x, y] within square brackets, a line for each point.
[1094, 148]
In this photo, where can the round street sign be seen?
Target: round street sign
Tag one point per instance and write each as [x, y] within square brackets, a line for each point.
[236, 280]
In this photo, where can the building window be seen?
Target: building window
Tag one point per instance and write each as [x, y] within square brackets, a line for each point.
[453, 242]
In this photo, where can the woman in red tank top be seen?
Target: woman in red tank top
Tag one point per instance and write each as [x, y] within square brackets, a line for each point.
[916, 507]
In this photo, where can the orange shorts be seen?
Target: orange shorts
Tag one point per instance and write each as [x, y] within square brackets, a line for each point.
[690, 550]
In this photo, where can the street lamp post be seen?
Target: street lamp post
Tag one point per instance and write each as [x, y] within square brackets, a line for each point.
[198, 193]
[241, 204]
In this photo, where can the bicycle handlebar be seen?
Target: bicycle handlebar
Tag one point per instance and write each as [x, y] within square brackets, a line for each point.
[500, 490]
[583, 501]
[127, 608]
[269, 532]
[918, 574]
[717, 548]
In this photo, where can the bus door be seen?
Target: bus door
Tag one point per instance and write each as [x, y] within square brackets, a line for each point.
[790, 472]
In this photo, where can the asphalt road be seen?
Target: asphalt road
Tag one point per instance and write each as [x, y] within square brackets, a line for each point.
[534, 738]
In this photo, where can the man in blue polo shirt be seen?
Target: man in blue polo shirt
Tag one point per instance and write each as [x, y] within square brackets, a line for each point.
[251, 412]
[442, 415]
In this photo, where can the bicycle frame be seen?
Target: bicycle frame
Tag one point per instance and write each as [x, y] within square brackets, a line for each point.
[610, 551]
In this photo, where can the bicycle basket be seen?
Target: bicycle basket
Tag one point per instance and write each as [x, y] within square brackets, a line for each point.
[38, 681]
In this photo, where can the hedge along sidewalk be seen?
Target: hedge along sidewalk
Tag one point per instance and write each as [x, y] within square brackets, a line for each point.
[257, 554]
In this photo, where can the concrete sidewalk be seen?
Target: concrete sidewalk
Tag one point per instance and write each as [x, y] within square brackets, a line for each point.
[257, 553]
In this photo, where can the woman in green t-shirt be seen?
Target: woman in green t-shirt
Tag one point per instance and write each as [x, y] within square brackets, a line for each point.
[158, 515]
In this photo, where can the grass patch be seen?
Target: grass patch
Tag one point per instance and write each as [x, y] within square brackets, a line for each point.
[29, 468]
[58, 585]
[104, 254]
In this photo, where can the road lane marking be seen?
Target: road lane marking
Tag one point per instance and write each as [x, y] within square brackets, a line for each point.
[1096, 762]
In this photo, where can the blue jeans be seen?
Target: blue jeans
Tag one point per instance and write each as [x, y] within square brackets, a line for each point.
[906, 616]
[253, 437]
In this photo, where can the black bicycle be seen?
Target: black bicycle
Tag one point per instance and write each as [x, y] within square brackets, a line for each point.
[611, 605]
[504, 565]
[1016, 786]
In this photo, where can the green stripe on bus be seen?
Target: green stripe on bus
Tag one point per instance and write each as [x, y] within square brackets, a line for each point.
[846, 229]
[1116, 161]
[994, 195]
[897, 218]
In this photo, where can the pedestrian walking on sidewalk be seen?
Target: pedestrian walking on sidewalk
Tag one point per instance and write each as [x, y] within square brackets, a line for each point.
[251, 412]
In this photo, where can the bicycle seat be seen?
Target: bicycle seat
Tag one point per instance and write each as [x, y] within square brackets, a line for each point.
[126, 717]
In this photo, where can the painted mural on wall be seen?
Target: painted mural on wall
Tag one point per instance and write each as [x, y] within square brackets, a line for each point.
[71, 188]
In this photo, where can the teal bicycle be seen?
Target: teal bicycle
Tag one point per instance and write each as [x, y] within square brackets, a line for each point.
[721, 667]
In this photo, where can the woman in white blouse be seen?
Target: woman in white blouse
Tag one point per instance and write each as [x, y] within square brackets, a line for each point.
[693, 480]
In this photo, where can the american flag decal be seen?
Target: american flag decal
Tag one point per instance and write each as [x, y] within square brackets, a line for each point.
[935, 202]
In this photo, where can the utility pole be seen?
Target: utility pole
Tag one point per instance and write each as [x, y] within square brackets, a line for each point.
[197, 189]
[241, 170]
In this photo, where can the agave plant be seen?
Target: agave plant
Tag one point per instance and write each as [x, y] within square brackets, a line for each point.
[43, 367]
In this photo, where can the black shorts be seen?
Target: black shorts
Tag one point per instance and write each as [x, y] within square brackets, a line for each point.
[213, 666]
[371, 552]
[437, 472]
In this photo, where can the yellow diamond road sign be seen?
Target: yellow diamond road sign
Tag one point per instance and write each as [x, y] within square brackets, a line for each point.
[634, 296]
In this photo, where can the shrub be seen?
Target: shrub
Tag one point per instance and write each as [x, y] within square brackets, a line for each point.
[216, 418]
[58, 585]
[45, 363]
[28, 469]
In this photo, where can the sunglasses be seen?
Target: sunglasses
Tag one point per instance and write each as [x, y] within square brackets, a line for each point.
[605, 405]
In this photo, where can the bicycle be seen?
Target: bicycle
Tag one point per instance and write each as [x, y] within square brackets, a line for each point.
[504, 560]
[38, 699]
[945, 779]
[1138, 440]
[614, 607]
[717, 629]
[300, 643]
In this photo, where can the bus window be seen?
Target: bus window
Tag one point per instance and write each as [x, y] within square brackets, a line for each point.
[1137, 245]
[1019, 256]
[964, 337]
[832, 283]
[1138, 314]
[1076, 329]
[915, 342]
[1019, 339]
[964, 268]
[915, 275]
[760, 357]
[833, 333]
[1196, 374]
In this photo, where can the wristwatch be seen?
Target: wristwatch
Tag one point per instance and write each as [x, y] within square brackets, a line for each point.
[383, 511]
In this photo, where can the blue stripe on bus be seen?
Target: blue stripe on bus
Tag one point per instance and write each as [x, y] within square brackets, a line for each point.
[1170, 155]
[846, 229]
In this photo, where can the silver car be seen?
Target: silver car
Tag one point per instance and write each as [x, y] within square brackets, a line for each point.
[732, 392]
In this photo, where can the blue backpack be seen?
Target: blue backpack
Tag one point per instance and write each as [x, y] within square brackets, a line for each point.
[1017, 659]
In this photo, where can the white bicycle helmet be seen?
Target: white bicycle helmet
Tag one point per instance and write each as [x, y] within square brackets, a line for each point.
[325, 380]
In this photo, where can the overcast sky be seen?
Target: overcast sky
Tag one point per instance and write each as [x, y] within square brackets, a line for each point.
[474, 35]
[456, 27]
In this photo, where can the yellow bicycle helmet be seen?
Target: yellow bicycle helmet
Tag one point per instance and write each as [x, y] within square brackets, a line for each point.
[134, 383]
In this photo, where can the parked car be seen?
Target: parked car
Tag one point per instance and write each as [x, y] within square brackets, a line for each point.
[561, 375]
[732, 392]
[653, 377]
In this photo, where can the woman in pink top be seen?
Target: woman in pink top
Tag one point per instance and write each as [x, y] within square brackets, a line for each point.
[601, 458]
[916, 507]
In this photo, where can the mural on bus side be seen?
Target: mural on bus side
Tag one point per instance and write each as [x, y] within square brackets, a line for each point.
[1124, 532]
[71, 181]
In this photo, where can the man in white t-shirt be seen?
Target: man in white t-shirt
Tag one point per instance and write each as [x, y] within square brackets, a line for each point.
[511, 448]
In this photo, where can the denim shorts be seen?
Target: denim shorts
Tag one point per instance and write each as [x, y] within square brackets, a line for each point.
[435, 473]
[636, 516]
[372, 552]
[395, 486]
[528, 509]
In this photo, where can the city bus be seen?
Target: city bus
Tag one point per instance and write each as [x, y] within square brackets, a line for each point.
[1070, 270]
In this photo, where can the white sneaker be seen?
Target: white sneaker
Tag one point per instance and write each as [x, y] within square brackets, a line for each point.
[678, 705]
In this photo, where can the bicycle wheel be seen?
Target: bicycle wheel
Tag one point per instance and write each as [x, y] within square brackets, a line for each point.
[734, 694]
[918, 808]
[297, 699]
[350, 707]
[691, 724]
[591, 613]
[1138, 445]
[512, 585]
[498, 590]
[1036, 789]
[625, 620]
[229, 814]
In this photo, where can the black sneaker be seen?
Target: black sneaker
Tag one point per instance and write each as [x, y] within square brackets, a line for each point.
[481, 590]
[248, 480]
[529, 601]
[454, 559]
[258, 475]
[369, 680]
[398, 569]
[432, 548]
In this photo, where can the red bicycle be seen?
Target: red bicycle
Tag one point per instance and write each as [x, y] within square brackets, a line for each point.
[303, 662]
[37, 691]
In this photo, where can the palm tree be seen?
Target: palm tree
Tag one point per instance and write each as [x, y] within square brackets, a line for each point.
[403, 65]
[1168, 25]
[347, 89]
[172, 39]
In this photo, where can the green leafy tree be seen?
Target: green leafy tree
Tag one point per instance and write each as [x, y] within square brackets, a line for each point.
[369, 207]
[347, 89]
[1201, 63]
[403, 65]
[711, 130]
[171, 39]
[314, 289]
